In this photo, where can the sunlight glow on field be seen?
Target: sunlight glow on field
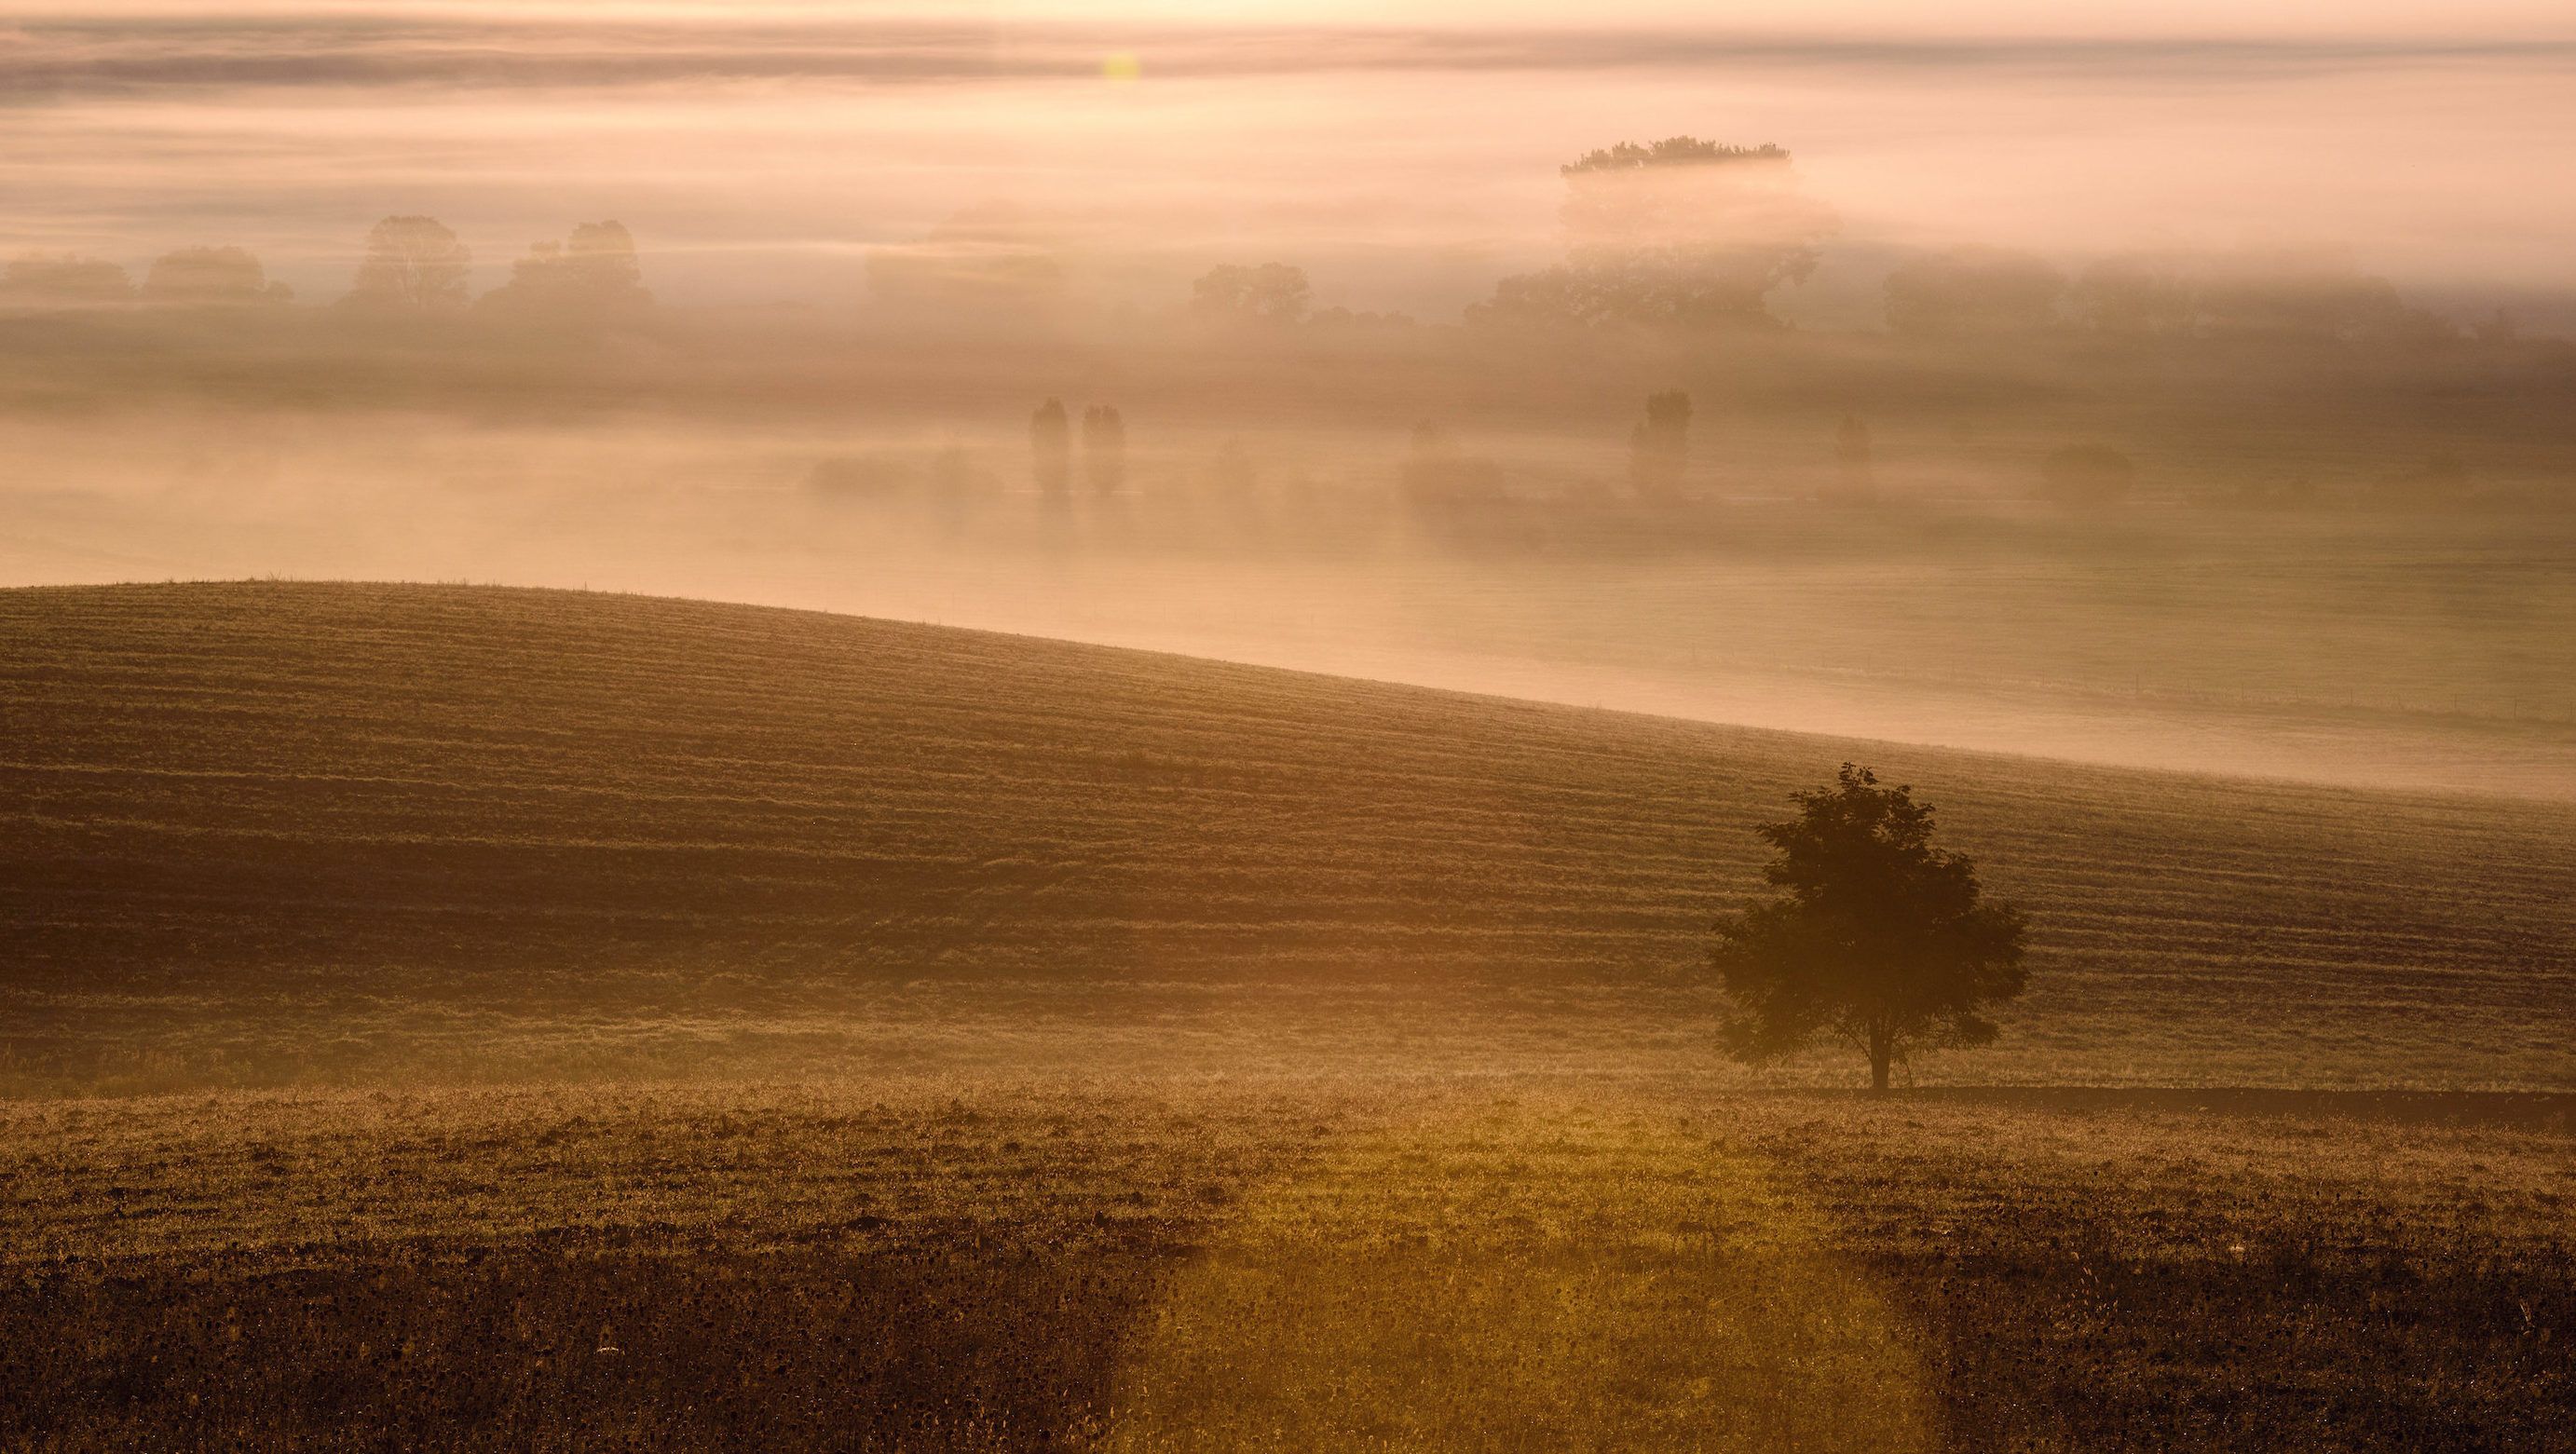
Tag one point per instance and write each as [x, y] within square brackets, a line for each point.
[1523, 1279]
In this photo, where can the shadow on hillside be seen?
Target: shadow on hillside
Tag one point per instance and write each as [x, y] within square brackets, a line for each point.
[2529, 1110]
[987, 1342]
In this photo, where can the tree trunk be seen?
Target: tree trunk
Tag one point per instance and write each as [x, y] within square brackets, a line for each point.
[1882, 1049]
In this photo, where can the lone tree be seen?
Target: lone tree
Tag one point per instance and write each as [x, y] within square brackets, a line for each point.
[1877, 937]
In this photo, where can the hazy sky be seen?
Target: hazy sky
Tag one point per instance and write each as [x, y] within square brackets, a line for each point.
[1405, 155]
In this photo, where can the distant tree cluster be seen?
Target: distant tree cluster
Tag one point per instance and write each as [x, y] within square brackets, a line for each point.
[1992, 292]
[593, 275]
[414, 263]
[1681, 233]
[64, 281]
[408, 265]
[1270, 293]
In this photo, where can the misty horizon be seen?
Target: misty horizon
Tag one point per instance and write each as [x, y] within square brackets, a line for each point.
[761, 157]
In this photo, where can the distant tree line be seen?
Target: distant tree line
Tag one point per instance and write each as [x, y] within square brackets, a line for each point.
[1680, 234]
[408, 265]
[1990, 292]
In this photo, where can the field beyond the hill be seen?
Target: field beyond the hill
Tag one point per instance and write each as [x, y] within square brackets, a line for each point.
[266, 833]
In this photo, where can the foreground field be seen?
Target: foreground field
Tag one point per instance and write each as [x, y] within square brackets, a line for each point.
[1526, 1263]
[265, 833]
[717, 1027]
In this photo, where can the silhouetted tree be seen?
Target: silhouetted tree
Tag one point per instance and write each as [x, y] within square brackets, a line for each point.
[591, 277]
[1050, 449]
[1971, 292]
[2086, 474]
[1104, 449]
[1876, 938]
[211, 277]
[1270, 293]
[1680, 233]
[413, 263]
[1659, 447]
[62, 280]
[1855, 477]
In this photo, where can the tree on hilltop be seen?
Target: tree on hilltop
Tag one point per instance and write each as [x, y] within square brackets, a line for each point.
[1877, 938]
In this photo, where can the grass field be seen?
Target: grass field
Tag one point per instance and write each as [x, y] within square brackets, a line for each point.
[277, 833]
[537, 1020]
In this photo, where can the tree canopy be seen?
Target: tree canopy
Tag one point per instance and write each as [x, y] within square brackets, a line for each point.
[211, 277]
[1877, 938]
[63, 280]
[411, 262]
[591, 276]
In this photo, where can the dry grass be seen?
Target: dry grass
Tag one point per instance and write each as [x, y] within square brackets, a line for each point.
[265, 833]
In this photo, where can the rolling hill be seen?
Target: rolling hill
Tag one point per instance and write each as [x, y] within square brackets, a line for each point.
[268, 831]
